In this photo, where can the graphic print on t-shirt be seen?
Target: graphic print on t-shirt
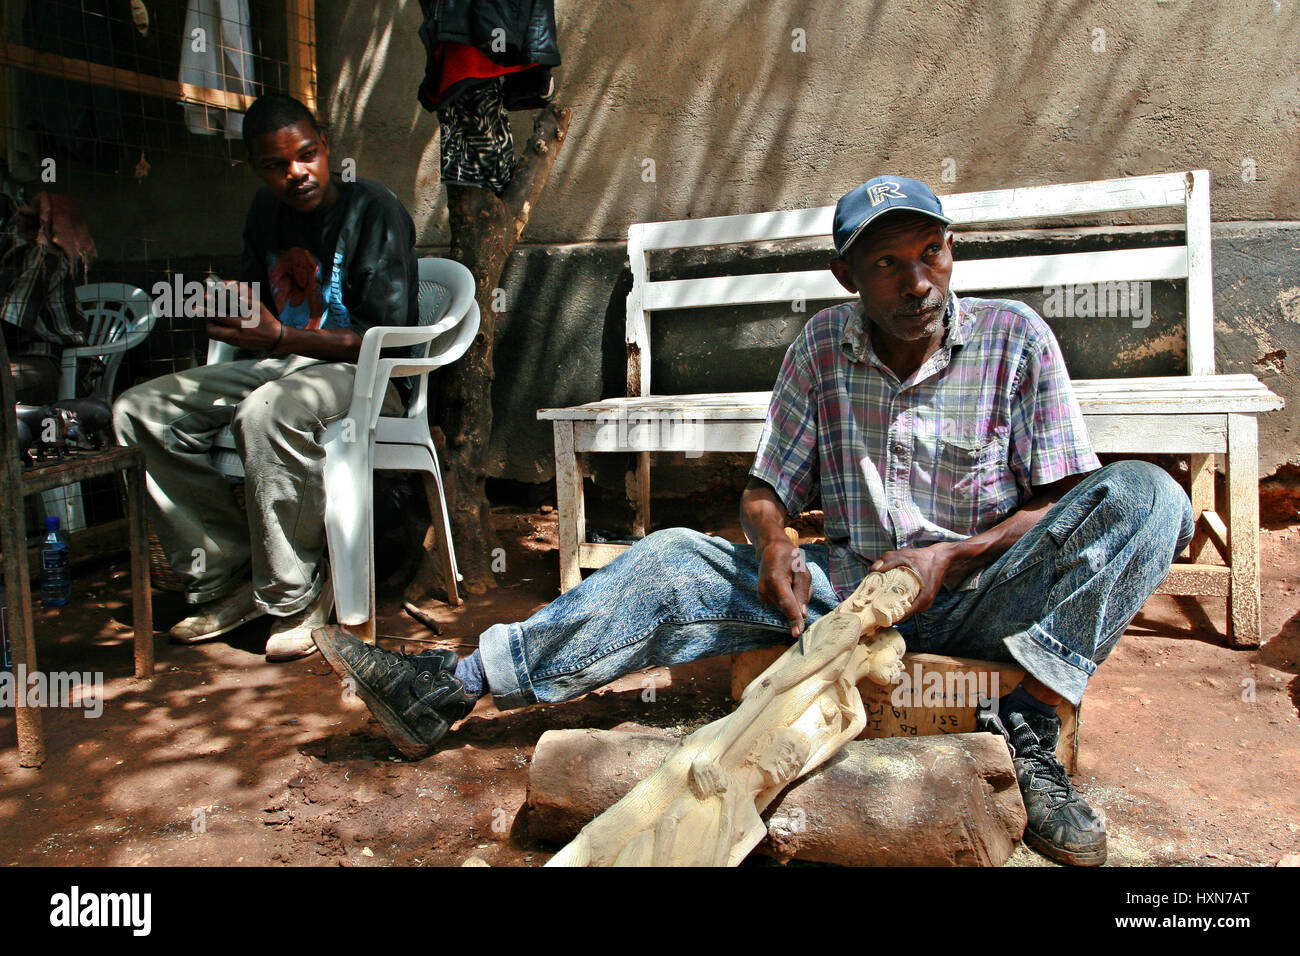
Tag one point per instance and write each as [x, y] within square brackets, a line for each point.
[303, 298]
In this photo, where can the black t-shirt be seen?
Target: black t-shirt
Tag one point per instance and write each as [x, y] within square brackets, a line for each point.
[352, 264]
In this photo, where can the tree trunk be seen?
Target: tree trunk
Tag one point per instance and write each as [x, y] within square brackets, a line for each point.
[484, 231]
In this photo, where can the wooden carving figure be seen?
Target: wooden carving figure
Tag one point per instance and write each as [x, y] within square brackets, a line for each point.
[703, 806]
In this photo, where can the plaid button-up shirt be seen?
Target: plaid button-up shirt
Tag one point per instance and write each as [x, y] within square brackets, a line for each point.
[946, 454]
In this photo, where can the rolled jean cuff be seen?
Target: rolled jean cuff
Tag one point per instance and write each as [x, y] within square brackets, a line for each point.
[1048, 660]
[500, 646]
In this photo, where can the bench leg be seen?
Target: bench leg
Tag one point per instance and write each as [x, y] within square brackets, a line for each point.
[141, 592]
[641, 496]
[569, 505]
[1202, 474]
[1243, 530]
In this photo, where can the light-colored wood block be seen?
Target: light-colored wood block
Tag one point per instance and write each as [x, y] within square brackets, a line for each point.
[891, 713]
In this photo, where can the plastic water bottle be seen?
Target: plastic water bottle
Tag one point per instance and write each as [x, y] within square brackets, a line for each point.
[56, 584]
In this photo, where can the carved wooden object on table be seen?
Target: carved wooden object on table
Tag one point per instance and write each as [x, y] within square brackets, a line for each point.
[702, 807]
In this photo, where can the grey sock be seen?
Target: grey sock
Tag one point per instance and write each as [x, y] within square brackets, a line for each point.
[469, 671]
[1019, 700]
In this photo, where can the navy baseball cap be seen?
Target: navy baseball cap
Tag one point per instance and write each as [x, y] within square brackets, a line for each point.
[859, 207]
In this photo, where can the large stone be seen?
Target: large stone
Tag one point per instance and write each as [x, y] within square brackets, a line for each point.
[916, 801]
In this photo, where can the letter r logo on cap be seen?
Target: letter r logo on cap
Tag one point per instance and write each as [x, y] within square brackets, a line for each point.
[882, 191]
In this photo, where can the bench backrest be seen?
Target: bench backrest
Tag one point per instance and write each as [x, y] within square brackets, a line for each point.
[1188, 191]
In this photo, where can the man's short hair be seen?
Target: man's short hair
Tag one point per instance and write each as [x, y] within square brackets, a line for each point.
[272, 112]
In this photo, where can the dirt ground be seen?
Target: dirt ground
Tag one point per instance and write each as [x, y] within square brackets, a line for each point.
[1191, 748]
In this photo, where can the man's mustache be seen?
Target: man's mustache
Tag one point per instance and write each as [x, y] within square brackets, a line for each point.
[928, 306]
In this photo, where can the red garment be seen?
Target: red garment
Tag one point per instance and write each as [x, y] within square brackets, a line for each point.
[460, 61]
[61, 225]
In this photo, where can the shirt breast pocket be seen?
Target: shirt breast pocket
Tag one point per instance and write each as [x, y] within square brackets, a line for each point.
[972, 479]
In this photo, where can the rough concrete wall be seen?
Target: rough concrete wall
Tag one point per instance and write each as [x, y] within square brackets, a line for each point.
[1012, 92]
[1257, 325]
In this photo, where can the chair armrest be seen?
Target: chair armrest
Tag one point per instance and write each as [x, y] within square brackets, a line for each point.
[374, 373]
[220, 351]
[97, 351]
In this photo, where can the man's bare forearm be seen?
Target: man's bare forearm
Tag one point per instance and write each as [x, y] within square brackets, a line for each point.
[332, 345]
[762, 515]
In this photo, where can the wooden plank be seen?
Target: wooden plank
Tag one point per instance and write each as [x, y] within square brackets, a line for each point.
[722, 405]
[141, 592]
[670, 434]
[971, 275]
[302, 52]
[569, 505]
[99, 74]
[907, 710]
[17, 577]
[637, 331]
[1240, 382]
[599, 555]
[1217, 531]
[1171, 403]
[1156, 434]
[1197, 580]
[1202, 479]
[76, 467]
[999, 205]
[1158, 263]
[1067, 199]
[1200, 276]
[641, 495]
[1244, 624]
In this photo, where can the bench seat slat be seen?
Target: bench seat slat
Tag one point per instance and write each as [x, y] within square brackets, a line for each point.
[1157, 263]
[1182, 394]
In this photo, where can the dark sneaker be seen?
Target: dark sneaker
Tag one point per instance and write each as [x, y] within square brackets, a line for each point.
[1061, 825]
[415, 697]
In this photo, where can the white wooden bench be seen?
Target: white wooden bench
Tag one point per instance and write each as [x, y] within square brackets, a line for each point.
[1199, 414]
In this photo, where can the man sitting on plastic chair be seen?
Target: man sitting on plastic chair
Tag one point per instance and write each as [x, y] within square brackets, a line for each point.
[324, 260]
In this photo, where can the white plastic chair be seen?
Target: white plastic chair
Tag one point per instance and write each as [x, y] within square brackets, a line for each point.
[121, 317]
[365, 441]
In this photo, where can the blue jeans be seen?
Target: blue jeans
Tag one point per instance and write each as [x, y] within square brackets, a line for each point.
[1055, 604]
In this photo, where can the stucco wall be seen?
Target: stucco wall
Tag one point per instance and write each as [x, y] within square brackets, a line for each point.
[1014, 92]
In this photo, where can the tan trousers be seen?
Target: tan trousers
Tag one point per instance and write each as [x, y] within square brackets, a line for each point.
[277, 408]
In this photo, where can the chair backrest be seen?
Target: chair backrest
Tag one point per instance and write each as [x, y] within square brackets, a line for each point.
[1189, 192]
[446, 294]
[120, 317]
[115, 311]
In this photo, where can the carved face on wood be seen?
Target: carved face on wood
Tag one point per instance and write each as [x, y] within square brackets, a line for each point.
[889, 594]
[782, 754]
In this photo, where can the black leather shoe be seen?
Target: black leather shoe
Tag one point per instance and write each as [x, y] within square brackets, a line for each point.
[415, 697]
[1061, 825]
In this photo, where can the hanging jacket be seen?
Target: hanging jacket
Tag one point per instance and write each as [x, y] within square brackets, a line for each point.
[526, 28]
